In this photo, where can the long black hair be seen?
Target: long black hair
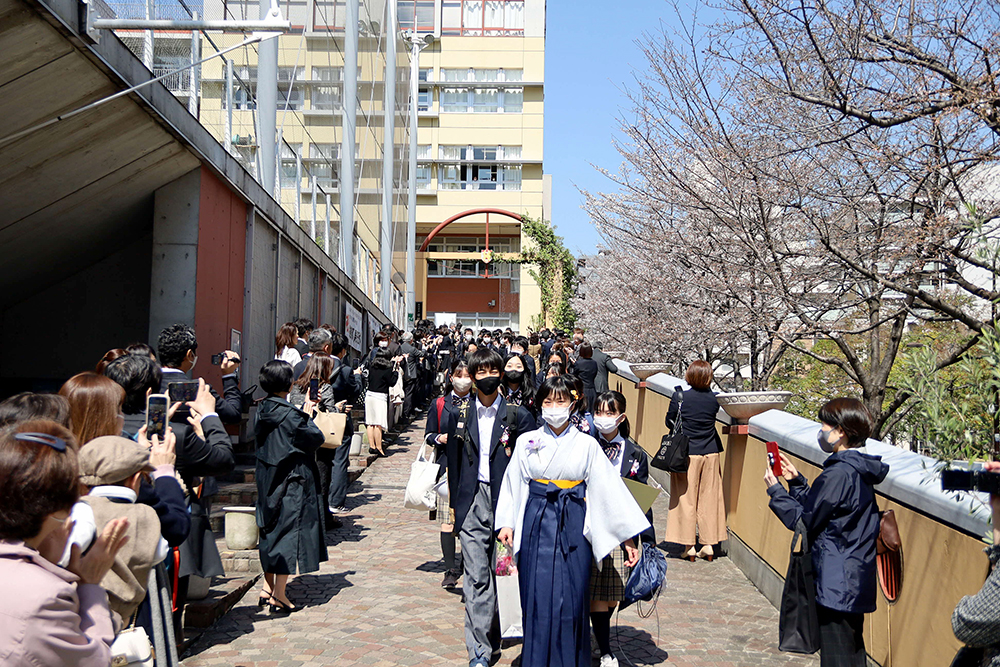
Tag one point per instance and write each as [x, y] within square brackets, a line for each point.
[613, 401]
[527, 381]
[382, 360]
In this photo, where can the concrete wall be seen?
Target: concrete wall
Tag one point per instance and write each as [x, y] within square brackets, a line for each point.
[943, 556]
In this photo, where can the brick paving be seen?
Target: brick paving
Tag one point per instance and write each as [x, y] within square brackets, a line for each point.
[378, 601]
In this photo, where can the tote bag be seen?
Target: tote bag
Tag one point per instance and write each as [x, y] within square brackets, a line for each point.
[420, 491]
[333, 425]
[798, 623]
[647, 576]
[673, 453]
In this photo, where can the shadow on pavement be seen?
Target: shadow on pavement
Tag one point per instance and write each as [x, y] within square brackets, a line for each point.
[637, 645]
[313, 590]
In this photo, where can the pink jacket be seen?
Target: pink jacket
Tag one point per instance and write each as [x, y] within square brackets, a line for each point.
[46, 617]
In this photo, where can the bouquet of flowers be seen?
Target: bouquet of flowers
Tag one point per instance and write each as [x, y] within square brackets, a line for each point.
[505, 560]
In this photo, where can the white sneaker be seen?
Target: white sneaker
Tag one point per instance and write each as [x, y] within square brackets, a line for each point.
[609, 661]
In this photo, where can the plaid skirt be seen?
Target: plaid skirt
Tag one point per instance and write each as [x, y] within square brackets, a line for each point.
[608, 585]
[443, 514]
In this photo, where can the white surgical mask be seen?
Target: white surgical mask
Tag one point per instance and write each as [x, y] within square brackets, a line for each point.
[487, 340]
[607, 425]
[556, 417]
[461, 385]
[468, 337]
[383, 343]
[194, 362]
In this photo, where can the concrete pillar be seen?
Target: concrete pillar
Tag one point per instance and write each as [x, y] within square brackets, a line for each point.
[175, 253]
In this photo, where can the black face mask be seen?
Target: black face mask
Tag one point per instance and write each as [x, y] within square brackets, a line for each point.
[488, 385]
[514, 377]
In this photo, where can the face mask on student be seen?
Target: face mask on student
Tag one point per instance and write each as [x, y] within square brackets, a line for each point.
[488, 385]
[514, 377]
[383, 344]
[826, 441]
[607, 425]
[487, 340]
[556, 417]
[461, 385]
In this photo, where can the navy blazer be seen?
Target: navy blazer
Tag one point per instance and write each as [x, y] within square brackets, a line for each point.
[698, 417]
[463, 474]
[436, 427]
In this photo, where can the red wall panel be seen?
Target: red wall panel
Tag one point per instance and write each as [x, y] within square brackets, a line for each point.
[222, 235]
[470, 295]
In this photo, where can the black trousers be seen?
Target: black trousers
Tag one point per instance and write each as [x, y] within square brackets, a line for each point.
[409, 398]
[841, 638]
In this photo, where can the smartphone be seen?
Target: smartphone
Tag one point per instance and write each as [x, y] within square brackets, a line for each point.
[156, 415]
[773, 458]
[182, 392]
[217, 359]
[970, 480]
[314, 390]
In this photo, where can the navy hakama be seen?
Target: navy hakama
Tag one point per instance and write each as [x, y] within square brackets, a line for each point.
[554, 570]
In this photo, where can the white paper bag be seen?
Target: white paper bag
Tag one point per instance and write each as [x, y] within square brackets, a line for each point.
[509, 601]
[420, 493]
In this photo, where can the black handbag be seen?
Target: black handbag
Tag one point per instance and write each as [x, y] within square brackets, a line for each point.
[647, 576]
[673, 453]
[798, 624]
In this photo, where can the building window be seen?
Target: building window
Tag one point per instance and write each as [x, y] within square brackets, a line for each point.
[425, 98]
[417, 15]
[482, 17]
[486, 99]
[289, 171]
[424, 151]
[324, 161]
[423, 176]
[329, 15]
[246, 155]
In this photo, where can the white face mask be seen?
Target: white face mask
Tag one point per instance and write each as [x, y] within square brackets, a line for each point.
[607, 425]
[461, 385]
[383, 344]
[194, 362]
[487, 340]
[468, 337]
[556, 417]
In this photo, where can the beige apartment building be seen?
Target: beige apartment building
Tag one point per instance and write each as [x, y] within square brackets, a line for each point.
[480, 139]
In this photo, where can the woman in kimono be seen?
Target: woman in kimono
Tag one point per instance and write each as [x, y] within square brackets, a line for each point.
[562, 505]
[289, 503]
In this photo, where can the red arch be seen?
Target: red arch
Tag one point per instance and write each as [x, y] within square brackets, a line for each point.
[487, 211]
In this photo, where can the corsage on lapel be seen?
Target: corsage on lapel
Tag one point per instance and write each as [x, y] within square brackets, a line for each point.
[505, 440]
[533, 445]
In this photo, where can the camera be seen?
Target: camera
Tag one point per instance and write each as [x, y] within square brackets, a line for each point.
[971, 480]
[217, 359]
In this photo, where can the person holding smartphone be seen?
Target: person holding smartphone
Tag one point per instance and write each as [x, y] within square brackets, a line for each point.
[842, 520]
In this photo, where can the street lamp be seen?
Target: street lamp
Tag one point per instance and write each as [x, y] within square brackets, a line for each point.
[417, 44]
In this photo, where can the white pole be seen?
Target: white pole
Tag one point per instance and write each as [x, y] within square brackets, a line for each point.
[147, 38]
[267, 107]
[388, 157]
[298, 188]
[349, 118]
[195, 71]
[312, 223]
[229, 105]
[327, 246]
[411, 197]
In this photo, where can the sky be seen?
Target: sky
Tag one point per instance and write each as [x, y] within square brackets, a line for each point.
[590, 54]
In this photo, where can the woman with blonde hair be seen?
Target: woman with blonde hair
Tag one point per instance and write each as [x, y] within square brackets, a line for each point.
[696, 503]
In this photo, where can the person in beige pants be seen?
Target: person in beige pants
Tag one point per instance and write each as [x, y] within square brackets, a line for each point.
[697, 512]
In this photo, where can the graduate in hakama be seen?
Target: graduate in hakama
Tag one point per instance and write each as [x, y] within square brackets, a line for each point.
[562, 506]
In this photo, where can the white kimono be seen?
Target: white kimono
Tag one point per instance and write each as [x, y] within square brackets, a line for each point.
[613, 516]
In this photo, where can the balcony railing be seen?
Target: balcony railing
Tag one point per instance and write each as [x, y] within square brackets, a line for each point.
[178, 82]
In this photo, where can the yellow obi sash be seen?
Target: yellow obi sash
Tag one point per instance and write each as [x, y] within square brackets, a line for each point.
[561, 483]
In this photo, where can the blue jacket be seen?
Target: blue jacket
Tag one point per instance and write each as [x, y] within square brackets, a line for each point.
[842, 518]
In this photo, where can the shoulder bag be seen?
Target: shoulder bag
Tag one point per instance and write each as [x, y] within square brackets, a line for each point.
[132, 648]
[798, 623]
[421, 492]
[332, 424]
[673, 453]
[647, 576]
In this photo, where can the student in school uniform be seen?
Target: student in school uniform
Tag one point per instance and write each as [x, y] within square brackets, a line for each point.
[479, 445]
[443, 414]
[607, 584]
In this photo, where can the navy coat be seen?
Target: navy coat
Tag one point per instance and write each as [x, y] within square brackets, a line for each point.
[463, 475]
[842, 520]
[635, 465]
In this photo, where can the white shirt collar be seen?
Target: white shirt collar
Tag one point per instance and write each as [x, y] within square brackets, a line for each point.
[171, 368]
[566, 431]
[112, 491]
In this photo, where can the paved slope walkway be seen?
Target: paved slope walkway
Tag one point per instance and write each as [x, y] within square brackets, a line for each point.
[378, 601]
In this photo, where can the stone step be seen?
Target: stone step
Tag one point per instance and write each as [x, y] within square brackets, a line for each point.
[238, 563]
[224, 594]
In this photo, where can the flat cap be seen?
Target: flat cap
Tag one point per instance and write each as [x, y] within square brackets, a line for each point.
[111, 459]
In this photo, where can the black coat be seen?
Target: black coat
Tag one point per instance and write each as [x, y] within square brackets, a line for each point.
[346, 387]
[290, 504]
[586, 370]
[842, 519]
[463, 473]
[698, 416]
[440, 426]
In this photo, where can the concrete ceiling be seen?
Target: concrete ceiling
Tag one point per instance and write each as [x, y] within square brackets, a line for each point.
[76, 191]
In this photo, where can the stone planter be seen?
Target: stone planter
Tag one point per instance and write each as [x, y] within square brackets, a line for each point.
[241, 528]
[356, 444]
[198, 587]
[742, 405]
[615, 354]
[643, 371]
